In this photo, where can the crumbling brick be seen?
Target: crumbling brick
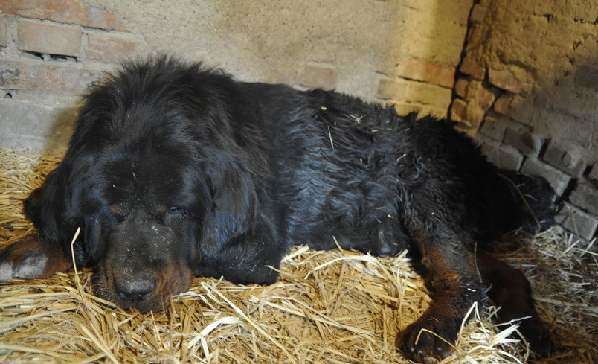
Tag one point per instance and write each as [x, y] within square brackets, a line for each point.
[577, 221]
[558, 180]
[48, 38]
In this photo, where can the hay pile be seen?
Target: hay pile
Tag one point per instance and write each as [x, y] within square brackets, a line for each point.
[336, 307]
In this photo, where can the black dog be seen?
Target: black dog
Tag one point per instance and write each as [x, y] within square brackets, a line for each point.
[175, 171]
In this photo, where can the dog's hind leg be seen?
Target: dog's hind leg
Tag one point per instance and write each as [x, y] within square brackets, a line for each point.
[31, 258]
[510, 290]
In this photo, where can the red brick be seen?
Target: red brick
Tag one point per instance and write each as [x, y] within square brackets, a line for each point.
[63, 11]
[58, 79]
[437, 74]
[48, 38]
[3, 32]
[112, 47]
[316, 76]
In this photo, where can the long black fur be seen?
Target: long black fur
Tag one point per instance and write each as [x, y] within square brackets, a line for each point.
[177, 162]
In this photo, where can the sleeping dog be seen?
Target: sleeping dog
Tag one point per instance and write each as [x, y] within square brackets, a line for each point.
[175, 171]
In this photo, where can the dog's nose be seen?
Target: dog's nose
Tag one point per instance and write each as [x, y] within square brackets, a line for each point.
[135, 289]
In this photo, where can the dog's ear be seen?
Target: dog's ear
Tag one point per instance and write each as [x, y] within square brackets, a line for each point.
[232, 206]
[47, 208]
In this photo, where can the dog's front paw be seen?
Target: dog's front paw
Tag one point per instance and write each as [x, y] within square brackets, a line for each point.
[29, 258]
[429, 339]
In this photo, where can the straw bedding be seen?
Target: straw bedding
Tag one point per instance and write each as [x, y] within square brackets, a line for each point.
[334, 307]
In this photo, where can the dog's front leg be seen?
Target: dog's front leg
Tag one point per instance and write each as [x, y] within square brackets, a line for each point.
[31, 258]
[454, 286]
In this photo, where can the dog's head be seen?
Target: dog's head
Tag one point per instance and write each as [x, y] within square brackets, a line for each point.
[153, 183]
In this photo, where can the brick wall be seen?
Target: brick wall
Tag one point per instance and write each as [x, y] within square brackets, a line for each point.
[50, 51]
[403, 52]
[527, 88]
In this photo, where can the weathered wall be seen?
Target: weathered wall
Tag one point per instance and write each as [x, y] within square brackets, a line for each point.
[398, 51]
[528, 88]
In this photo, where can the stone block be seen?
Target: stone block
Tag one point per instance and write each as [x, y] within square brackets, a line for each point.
[527, 143]
[48, 38]
[565, 157]
[318, 76]
[558, 180]
[112, 47]
[586, 197]
[577, 221]
[502, 156]
[509, 158]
